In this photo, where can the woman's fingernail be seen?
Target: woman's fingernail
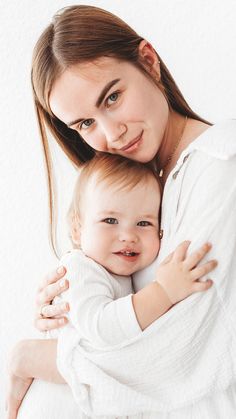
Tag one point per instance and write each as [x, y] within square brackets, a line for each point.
[62, 283]
[60, 270]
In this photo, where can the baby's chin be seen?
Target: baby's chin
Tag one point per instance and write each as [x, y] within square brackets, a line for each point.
[120, 272]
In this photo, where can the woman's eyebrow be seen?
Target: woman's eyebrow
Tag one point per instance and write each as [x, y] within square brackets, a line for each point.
[105, 90]
[102, 95]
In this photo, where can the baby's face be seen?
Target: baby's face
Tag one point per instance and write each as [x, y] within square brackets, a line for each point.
[119, 228]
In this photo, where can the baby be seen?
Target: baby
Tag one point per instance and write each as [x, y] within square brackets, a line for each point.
[114, 221]
[114, 224]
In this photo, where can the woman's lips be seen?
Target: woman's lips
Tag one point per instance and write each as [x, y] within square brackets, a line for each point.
[133, 145]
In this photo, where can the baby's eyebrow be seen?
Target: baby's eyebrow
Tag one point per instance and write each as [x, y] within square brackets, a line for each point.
[108, 213]
[149, 216]
[102, 95]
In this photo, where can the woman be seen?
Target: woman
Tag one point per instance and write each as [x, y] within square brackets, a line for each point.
[98, 86]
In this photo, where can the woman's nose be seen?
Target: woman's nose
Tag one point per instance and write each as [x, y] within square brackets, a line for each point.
[113, 131]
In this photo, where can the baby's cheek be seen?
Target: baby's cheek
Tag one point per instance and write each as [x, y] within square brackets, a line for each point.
[155, 246]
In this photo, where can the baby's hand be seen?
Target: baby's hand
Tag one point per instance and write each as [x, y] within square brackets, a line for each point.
[179, 274]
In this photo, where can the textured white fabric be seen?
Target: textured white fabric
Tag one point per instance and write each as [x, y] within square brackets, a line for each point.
[184, 364]
[101, 307]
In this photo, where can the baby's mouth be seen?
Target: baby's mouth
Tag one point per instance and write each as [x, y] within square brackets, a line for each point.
[127, 253]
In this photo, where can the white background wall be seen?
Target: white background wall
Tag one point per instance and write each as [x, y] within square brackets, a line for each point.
[196, 39]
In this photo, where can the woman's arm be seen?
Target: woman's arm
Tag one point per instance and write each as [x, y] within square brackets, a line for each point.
[35, 358]
[29, 359]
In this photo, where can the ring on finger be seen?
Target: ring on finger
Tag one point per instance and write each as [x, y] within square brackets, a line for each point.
[41, 310]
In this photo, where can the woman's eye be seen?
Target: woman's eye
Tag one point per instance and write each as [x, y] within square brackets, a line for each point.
[110, 221]
[86, 124]
[144, 223]
[112, 98]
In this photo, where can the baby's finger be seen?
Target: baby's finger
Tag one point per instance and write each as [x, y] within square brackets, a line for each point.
[181, 250]
[202, 270]
[48, 293]
[196, 257]
[49, 324]
[202, 286]
[52, 277]
[168, 258]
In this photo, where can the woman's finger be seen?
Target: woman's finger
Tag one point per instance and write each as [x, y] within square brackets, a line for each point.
[202, 270]
[53, 310]
[49, 292]
[52, 277]
[196, 257]
[49, 324]
[181, 250]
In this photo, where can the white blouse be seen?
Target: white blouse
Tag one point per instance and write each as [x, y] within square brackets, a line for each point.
[184, 364]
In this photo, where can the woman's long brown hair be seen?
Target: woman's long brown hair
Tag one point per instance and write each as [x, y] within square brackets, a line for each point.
[80, 34]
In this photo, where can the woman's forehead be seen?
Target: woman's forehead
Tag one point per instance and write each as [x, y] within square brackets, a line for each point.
[80, 85]
[97, 69]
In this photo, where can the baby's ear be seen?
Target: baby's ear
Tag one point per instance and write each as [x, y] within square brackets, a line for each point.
[74, 227]
[75, 234]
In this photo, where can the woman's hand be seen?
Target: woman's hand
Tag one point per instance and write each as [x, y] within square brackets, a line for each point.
[50, 316]
[17, 389]
[179, 274]
[17, 385]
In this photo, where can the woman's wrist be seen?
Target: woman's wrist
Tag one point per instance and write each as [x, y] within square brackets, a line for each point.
[36, 358]
[17, 364]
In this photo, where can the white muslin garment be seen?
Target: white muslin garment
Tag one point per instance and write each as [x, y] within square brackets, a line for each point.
[184, 364]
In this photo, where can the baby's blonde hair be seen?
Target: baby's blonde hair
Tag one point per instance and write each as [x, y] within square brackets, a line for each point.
[116, 171]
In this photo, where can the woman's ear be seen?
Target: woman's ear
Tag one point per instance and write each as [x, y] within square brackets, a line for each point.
[149, 59]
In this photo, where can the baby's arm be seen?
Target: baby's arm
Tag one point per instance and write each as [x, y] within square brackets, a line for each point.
[105, 320]
[176, 279]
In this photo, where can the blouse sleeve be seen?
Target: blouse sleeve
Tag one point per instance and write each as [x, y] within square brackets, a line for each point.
[196, 339]
[207, 212]
[200, 331]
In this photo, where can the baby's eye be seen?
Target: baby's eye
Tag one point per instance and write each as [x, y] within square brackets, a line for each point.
[86, 123]
[110, 220]
[144, 223]
[112, 98]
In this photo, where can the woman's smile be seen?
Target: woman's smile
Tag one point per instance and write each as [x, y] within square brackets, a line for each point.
[133, 145]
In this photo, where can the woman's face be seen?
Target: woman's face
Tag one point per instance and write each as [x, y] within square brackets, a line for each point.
[113, 106]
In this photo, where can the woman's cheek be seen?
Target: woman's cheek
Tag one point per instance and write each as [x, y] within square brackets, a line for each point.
[95, 140]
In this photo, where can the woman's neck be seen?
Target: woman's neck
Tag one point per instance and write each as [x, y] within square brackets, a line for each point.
[180, 132]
